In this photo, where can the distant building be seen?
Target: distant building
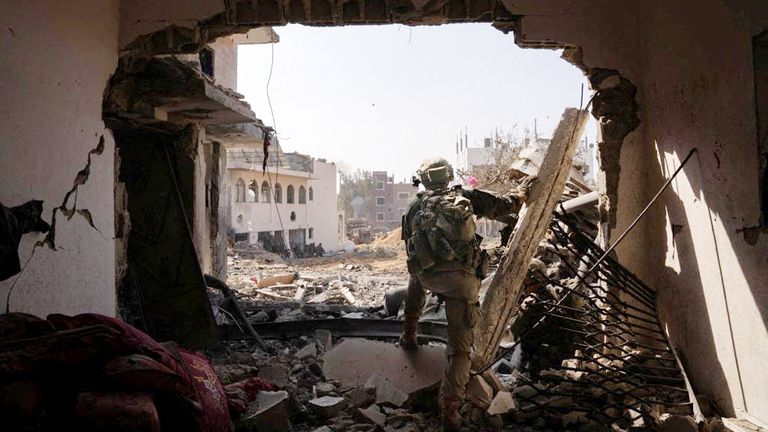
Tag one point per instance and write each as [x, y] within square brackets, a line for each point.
[469, 158]
[390, 202]
[294, 200]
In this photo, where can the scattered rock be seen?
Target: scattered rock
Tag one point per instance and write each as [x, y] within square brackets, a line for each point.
[327, 406]
[271, 414]
[479, 392]
[678, 423]
[502, 403]
[276, 373]
[309, 350]
[324, 339]
[360, 396]
[372, 415]
[386, 392]
[325, 388]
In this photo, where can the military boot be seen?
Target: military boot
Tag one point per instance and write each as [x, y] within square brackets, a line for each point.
[408, 339]
[449, 414]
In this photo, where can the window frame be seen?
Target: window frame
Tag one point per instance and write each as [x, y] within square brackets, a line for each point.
[266, 192]
[239, 190]
[302, 194]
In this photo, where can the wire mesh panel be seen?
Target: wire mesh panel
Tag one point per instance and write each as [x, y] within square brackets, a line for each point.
[591, 348]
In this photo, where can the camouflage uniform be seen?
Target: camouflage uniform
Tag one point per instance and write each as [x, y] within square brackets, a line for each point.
[459, 287]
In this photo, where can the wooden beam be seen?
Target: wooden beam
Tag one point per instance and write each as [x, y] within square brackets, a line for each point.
[502, 298]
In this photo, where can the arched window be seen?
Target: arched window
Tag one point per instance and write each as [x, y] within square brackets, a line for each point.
[278, 193]
[266, 194]
[253, 192]
[311, 194]
[289, 194]
[302, 195]
[240, 190]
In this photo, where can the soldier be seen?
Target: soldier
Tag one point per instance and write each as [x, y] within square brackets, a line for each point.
[444, 257]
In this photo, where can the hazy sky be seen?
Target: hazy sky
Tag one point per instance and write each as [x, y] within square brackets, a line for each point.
[386, 97]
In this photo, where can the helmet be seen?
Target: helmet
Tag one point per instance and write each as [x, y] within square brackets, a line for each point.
[435, 173]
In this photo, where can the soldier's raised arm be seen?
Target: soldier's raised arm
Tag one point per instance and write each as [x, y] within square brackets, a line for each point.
[489, 205]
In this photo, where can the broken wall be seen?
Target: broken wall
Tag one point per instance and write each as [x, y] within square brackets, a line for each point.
[322, 208]
[711, 279]
[55, 60]
[691, 62]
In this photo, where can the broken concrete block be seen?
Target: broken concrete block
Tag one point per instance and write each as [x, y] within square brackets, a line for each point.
[277, 374]
[502, 403]
[353, 361]
[360, 397]
[574, 418]
[309, 350]
[325, 388]
[327, 406]
[386, 392]
[323, 429]
[372, 415]
[285, 278]
[678, 423]
[324, 339]
[479, 392]
[271, 415]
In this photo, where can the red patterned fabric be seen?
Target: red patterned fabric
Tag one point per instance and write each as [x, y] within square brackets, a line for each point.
[116, 412]
[210, 393]
[141, 341]
[139, 380]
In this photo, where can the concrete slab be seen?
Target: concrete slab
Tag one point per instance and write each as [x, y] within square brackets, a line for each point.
[354, 361]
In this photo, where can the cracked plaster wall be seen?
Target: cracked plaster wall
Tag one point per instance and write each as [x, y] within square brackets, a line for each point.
[691, 62]
[55, 60]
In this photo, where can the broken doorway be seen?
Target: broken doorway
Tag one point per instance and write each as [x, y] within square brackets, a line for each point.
[163, 291]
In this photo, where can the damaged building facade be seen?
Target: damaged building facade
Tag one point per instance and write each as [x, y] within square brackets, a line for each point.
[668, 77]
[295, 201]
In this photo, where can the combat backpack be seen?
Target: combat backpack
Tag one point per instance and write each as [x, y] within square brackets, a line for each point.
[443, 232]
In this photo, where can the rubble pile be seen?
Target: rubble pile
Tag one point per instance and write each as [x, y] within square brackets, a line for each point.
[357, 279]
[312, 396]
[599, 356]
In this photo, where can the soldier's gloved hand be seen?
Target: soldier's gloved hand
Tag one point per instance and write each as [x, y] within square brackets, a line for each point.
[524, 186]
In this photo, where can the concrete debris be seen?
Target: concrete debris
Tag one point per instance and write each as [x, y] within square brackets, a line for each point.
[372, 415]
[502, 403]
[325, 388]
[386, 392]
[277, 374]
[271, 414]
[324, 339]
[327, 406]
[310, 350]
[278, 279]
[479, 392]
[357, 397]
[678, 423]
[353, 361]
[315, 280]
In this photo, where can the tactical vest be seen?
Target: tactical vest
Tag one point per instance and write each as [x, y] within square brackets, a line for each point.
[442, 233]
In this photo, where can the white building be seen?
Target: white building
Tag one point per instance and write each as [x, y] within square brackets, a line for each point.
[469, 157]
[295, 198]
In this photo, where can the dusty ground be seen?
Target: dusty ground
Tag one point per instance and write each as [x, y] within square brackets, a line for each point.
[365, 274]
